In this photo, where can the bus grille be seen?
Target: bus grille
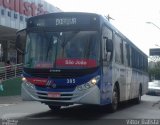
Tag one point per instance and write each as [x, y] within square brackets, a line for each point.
[58, 88]
[63, 96]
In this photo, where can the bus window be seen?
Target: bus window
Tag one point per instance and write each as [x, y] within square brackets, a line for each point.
[121, 49]
[133, 58]
[118, 50]
[126, 52]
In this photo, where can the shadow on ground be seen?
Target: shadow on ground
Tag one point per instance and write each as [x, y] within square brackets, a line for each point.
[80, 112]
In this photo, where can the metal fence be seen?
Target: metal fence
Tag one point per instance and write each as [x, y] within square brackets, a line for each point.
[12, 71]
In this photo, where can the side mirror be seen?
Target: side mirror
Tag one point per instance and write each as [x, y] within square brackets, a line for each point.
[109, 45]
[21, 41]
[108, 49]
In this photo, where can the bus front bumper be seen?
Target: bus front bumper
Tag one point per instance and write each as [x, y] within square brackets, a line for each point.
[89, 96]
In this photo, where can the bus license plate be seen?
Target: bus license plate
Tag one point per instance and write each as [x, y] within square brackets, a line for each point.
[54, 94]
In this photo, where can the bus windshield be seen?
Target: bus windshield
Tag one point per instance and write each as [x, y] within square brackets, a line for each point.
[71, 49]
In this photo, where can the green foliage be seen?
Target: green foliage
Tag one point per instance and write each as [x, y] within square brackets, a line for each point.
[154, 72]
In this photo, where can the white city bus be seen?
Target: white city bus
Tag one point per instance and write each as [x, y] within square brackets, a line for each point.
[80, 58]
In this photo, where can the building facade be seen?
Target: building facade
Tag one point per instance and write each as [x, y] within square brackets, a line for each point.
[13, 17]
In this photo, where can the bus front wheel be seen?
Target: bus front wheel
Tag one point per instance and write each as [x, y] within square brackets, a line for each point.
[115, 99]
[54, 108]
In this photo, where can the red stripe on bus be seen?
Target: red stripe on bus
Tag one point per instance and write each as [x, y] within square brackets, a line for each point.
[37, 81]
[76, 62]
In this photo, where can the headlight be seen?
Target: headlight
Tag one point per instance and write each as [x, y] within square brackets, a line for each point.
[24, 79]
[94, 81]
[89, 84]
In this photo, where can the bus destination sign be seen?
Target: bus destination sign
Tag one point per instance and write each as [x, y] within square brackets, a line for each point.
[75, 21]
[66, 21]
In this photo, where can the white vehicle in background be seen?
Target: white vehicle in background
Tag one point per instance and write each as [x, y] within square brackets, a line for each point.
[154, 87]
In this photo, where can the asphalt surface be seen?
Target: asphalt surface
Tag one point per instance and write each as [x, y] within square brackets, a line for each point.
[37, 113]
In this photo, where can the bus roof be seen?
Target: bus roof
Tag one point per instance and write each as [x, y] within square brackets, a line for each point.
[64, 13]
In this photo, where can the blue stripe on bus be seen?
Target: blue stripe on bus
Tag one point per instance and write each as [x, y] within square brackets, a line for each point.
[63, 86]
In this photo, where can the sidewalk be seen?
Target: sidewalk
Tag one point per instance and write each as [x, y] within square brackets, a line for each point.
[10, 99]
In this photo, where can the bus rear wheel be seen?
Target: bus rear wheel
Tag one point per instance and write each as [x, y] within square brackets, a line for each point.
[138, 99]
[54, 108]
[115, 100]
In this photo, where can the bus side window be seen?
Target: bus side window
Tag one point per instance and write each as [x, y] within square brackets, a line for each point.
[127, 54]
[122, 51]
[134, 58]
[118, 49]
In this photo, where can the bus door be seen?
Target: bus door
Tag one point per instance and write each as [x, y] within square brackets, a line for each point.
[107, 53]
[119, 66]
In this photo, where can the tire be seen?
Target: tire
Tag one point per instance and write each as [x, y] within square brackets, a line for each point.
[138, 99]
[54, 108]
[115, 99]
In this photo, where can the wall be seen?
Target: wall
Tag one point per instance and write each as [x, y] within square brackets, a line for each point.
[14, 13]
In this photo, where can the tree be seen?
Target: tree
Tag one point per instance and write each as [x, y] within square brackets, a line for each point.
[154, 71]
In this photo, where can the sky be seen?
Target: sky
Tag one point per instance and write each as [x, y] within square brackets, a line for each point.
[130, 17]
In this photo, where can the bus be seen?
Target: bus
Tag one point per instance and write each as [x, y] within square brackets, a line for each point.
[79, 58]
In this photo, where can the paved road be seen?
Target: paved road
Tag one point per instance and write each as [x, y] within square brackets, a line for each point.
[33, 112]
